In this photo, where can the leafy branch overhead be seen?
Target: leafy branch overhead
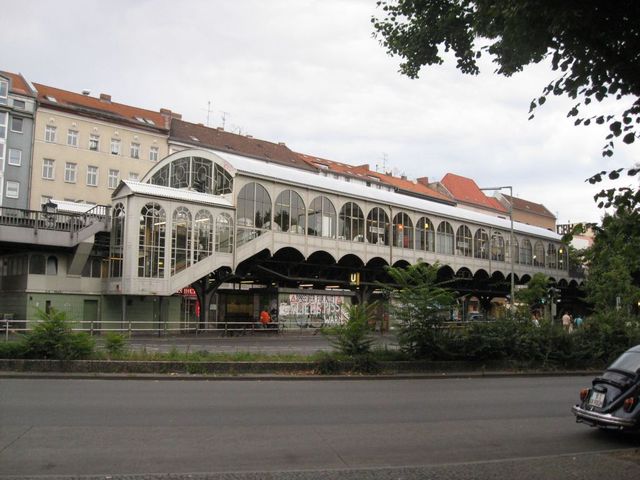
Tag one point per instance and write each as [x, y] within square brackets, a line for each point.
[593, 45]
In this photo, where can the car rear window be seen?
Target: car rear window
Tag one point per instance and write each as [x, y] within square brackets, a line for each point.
[628, 361]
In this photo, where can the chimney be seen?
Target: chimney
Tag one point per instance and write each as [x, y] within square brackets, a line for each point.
[168, 116]
[423, 181]
[403, 177]
[282, 144]
[105, 98]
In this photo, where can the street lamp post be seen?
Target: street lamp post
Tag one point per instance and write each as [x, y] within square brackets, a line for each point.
[511, 237]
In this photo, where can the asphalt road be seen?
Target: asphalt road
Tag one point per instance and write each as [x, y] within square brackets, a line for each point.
[516, 428]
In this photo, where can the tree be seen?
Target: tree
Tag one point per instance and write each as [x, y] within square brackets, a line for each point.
[419, 305]
[593, 45]
[535, 290]
[614, 261]
[354, 336]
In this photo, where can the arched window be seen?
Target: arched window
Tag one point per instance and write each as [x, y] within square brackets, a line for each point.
[526, 253]
[203, 235]
[181, 240]
[254, 212]
[195, 173]
[464, 241]
[444, 238]
[425, 235]
[322, 218]
[481, 244]
[52, 265]
[117, 241]
[351, 223]
[377, 227]
[552, 256]
[290, 214]
[402, 231]
[563, 258]
[497, 247]
[37, 264]
[151, 241]
[224, 233]
[538, 254]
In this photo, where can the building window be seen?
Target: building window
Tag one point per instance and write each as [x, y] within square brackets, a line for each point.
[181, 240]
[481, 244]
[538, 254]
[50, 134]
[133, 176]
[52, 265]
[153, 154]
[20, 104]
[37, 265]
[4, 91]
[47, 169]
[497, 247]
[15, 157]
[72, 138]
[254, 212]
[70, 170]
[92, 176]
[402, 231]
[321, 218]
[444, 238]
[464, 241]
[351, 223]
[377, 227]
[425, 234]
[13, 190]
[224, 233]
[526, 253]
[115, 146]
[151, 240]
[290, 213]
[203, 235]
[135, 150]
[552, 256]
[3, 125]
[94, 142]
[16, 124]
[117, 241]
[114, 177]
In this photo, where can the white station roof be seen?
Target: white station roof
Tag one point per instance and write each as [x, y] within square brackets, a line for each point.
[170, 193]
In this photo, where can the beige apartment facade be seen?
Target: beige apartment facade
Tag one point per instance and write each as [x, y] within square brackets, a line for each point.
[82, 149]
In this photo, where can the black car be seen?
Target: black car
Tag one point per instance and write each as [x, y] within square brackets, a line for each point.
[612, 401]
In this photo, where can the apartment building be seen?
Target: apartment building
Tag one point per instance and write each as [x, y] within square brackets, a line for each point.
[84, 145]
[17, 106]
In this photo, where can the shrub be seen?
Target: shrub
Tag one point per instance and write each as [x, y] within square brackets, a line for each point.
[52, 338]
[12, 349]
[327, 364]
[366, 364]
[115, 343]
[354, 336]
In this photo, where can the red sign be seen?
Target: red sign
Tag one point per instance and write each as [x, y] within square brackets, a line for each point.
[187, 292]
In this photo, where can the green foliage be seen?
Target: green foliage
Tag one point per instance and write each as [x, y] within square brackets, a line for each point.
[115, 343]
[419, 306]
[614, 263]
[12, 349]
[354, 337]
[52, 338]
[328, 364]
[534, 292]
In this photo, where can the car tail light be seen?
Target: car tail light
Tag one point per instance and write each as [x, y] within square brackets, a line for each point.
[584, 393]
[629, 403]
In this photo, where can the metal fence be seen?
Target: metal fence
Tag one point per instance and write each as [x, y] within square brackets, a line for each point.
[46, 220]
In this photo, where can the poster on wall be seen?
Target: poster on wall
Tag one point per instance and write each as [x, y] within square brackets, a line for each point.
[312, 311]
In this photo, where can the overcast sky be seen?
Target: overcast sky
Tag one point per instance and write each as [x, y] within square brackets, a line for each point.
[310, 74]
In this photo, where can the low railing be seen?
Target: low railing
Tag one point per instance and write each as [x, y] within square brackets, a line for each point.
[60, 222]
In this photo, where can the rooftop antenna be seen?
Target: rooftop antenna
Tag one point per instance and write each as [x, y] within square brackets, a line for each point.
[208, 112]
[224, 119]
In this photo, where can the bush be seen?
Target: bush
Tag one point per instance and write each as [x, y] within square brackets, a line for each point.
[115, 343]
[53, 339]
[327, 364]
[354, 336]
[13, 349]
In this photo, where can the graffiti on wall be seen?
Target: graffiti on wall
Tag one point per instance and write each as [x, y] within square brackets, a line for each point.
[311, 310]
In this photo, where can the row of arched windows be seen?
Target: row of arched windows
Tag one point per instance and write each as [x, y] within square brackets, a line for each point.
[322, 220]
[193, 238]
